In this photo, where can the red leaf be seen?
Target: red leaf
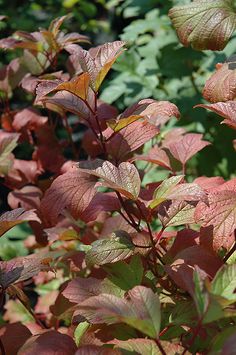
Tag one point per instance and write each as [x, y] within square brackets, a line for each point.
[221, 86]
[98, 61]
[187, 146]
[12, 218]
[28, 119]
[49, 343]
[224, 109]
[157, 112]
[156, 156]
[13, 336]
[220, 213]
[22, 268]
[73, 191]
[28, 197]
[79, 289]
[130, 139]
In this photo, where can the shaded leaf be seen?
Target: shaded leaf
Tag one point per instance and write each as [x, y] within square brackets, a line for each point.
[73, 190]
[50, 343]
[204, 24]
[131, 138]
[124, 178]
[187, 146]
[13, 336]
[12, 218]
[141, 311]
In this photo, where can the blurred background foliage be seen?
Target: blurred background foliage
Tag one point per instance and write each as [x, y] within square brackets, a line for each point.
[155, 65]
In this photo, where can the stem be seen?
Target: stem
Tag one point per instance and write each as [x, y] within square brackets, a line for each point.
[131, 219]
[196, 331]
[102, 140]
[2, 349]
[232, 250]
[160, 347]
[68, 129]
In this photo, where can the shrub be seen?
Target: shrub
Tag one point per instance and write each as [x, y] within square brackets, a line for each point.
[125, 254]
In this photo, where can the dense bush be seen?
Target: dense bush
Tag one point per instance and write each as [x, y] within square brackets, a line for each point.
[127, 252]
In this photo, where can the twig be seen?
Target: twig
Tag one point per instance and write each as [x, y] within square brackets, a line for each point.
[232, 250]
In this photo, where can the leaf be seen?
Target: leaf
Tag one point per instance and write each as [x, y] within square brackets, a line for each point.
[79, 289]
[125, 275]
[176, 213]
[124, 178]
[221, 86]
[140, 346]
[224, 109]
[13, 336]
[117, 125]
[22, 268]
[73, 191]
[96, 350]
[100, 63]
[105, 251]
[8, 142]
[17, 216]
[131, 138]
[51, 343]
[220, 213]
[224, 282]
[28, 119]
[156, 156]
[155, 111]
[187, 146]
[164, 189]
[204, 24]
[77, 86]
[141, 311]
[68, 102]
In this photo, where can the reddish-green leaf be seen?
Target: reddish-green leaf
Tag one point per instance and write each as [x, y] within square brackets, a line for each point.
[104, 251]
[124, 178]
[205, 24]
[141, 311]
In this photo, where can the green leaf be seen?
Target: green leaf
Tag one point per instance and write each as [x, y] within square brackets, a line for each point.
[166, 187]
[224, 282]
[124, 275]
[105, 251]
[221, 337]
[79, 331]
[204, 24]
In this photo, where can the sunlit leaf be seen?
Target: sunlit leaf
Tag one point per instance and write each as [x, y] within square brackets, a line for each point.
[205, 24]
[124, 178]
